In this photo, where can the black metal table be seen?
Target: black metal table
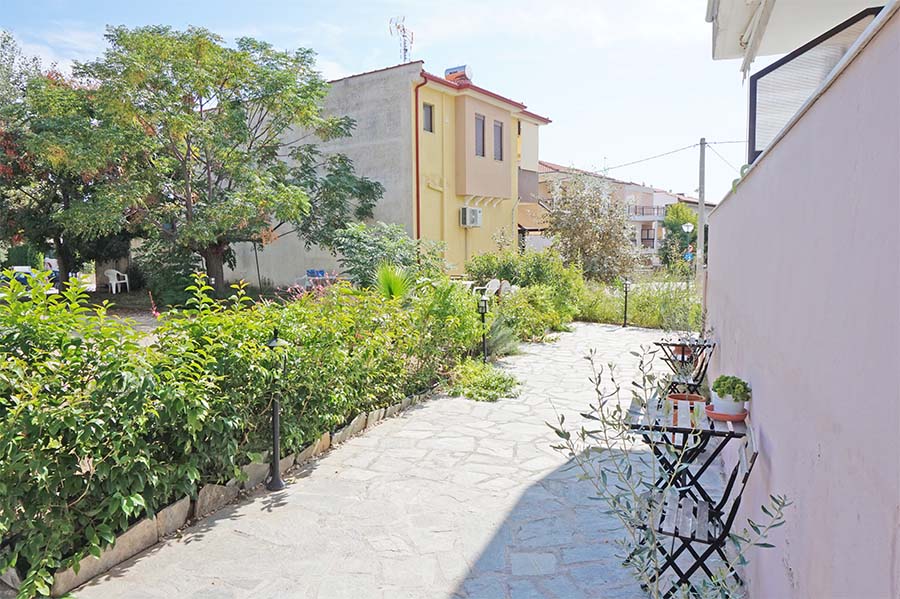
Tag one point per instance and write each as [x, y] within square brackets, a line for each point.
[678, 362]
[687, 431]
[688, 371]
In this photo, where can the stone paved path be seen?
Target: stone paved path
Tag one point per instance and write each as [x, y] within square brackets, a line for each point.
[453, 498]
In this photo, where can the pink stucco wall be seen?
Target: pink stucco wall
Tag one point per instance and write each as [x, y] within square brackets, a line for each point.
[804, 300]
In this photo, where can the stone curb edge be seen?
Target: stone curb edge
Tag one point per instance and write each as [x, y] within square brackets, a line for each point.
[171, 519]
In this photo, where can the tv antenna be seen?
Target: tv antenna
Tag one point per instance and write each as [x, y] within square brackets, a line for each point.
[398, 27]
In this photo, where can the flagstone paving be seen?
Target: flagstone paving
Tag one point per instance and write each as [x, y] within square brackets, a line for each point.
[451, 499]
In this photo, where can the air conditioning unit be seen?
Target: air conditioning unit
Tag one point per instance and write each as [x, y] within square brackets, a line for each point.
[469, 217]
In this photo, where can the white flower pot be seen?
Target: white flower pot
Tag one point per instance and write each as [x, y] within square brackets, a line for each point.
[726, 405]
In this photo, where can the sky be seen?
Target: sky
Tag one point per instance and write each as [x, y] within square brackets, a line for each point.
[622, 80]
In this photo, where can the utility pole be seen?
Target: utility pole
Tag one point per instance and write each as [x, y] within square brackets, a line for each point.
[701, 220]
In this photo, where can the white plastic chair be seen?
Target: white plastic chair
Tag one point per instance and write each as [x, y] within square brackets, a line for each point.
[492, 287]
[116, 279]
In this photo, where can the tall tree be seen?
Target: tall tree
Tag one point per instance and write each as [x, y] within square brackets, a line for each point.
[61, 169]
[15, 69]
[675, 244]
[231, 140]
[591, 227]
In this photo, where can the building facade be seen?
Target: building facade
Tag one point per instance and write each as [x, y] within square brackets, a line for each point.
[646, 207]
[444, 149]
[812, 321]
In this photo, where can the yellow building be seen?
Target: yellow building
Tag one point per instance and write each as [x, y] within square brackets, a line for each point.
[478, 156]
[455, 159]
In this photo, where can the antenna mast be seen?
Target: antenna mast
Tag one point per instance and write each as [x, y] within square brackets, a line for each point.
[398, 27]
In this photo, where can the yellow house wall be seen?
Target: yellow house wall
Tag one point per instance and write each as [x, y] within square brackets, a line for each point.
[443, 154]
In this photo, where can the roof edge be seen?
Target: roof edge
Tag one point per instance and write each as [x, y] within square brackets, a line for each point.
[396, 66]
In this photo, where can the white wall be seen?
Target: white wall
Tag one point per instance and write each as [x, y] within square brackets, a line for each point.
[529, 159]
[381, 149]
[804, 301]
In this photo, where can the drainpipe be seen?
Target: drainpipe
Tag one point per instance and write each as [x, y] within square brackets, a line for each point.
[418, 178]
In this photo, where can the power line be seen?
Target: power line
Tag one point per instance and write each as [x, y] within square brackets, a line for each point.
[722, 158]
[675, 152]
[653, 157]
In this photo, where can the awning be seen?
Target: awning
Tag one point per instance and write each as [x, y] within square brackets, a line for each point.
[749, 28]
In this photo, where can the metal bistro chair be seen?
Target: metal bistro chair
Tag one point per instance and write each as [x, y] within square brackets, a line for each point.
[698, 525]
[692, 380]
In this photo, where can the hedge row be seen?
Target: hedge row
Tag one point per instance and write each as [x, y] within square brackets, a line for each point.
[553, 294]
[97, 430]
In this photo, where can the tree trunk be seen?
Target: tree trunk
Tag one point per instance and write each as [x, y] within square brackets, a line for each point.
[64, 260]
[214, 256]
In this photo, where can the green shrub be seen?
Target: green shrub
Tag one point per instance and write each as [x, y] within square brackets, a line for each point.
[446, 326]
[481, 382]
[97, 430]
[24, 255]
[659, 302]
[501, 337]
[85, 429]
[166, 271]
[530, 268]
[363, 248]
[600, 303]
[531, 312]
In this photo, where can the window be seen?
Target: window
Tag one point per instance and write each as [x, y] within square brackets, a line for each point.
[498, 140]
[428, 117]
[479, 135]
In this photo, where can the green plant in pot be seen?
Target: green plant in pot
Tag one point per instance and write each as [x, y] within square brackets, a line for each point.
[729, 395]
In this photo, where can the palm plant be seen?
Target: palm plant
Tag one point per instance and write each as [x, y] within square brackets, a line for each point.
[501, 338]
[393, 282]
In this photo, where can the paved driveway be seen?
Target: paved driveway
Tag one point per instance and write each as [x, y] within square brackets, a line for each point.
[453, 498]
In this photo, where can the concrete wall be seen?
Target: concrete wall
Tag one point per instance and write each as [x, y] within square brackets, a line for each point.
[804, 301]
[381, 148]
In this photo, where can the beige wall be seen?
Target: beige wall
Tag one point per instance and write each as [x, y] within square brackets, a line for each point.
[482, 175]
[380, 148]
[804, 301]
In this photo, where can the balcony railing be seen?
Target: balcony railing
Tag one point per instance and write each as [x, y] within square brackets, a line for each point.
[646, 211]
[778, 91]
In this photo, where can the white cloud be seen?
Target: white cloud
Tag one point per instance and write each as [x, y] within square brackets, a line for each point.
[62, 44]
[332, 70]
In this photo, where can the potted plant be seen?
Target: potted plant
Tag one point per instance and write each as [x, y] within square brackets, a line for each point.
[729, 394]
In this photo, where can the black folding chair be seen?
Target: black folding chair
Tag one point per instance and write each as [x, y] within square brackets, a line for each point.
[691, 381]
[698, 525]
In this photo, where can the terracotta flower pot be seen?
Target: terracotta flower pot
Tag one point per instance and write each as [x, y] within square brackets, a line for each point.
[691, 397]
[725, 417]
[683, 352]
